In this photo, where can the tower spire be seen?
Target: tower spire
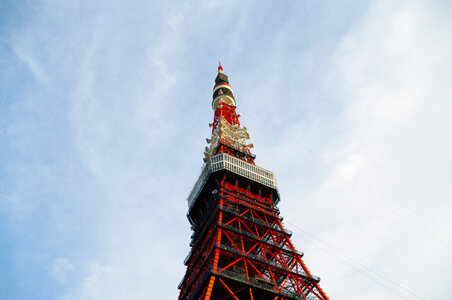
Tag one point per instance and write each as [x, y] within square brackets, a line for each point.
[227, 135]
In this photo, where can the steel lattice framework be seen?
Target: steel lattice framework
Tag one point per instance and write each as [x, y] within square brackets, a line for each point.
[240, 249]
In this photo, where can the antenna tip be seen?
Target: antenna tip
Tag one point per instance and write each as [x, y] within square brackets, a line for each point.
[220, 67]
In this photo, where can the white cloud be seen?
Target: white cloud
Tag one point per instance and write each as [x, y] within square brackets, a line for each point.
[388, 173]
[61, 267]
[27, 55]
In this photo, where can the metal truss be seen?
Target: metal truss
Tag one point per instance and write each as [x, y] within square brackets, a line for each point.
[240, 249]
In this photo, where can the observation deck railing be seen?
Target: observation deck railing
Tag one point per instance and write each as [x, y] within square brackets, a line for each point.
[225, 161]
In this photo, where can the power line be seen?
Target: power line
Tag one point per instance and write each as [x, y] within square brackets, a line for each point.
[384, 280]
[389, 204]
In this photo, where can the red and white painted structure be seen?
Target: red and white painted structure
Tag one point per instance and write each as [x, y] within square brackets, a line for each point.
[240, 249]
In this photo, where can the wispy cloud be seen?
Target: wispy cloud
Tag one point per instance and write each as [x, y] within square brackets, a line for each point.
[61, 267]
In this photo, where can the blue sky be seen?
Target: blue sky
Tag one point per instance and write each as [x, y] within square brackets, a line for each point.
[104, 111]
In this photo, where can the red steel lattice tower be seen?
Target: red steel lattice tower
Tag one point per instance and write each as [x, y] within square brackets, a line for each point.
[239, 247]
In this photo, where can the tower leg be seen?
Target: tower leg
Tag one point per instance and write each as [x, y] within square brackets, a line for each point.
[209, 288]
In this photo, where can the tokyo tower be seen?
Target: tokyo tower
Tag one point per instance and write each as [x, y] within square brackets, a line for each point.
[239, 247]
